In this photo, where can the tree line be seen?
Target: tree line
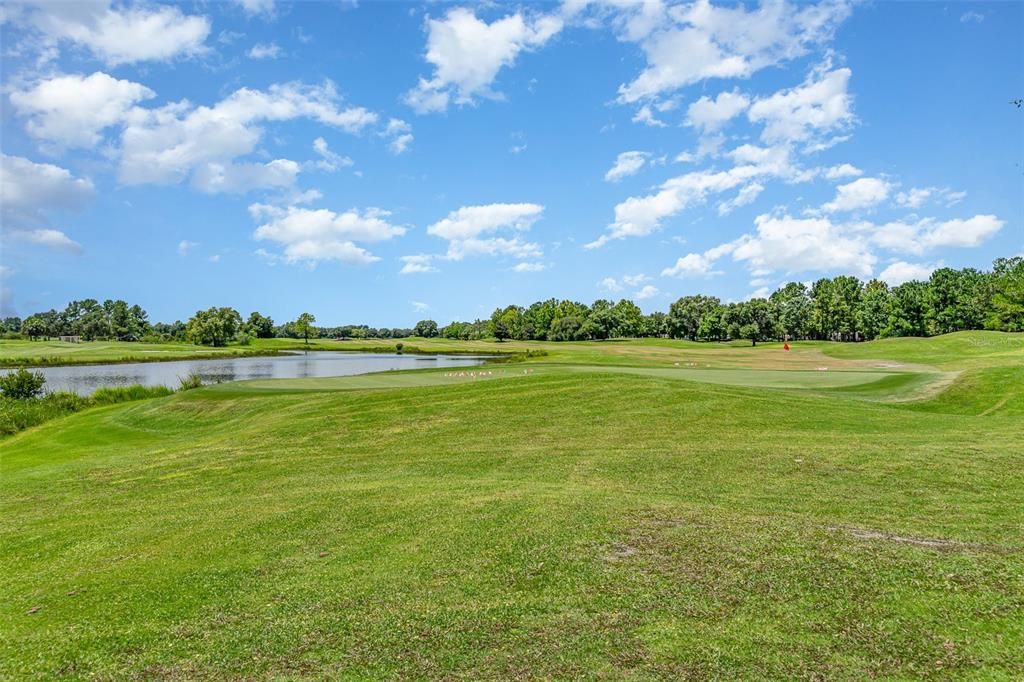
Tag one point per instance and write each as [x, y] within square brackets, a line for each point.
[840, 308]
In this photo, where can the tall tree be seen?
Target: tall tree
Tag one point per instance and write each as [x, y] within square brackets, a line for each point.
[213, 327]
[873, 312]
[956, 300]
[793, 305]
[685, 315]
[425, 328]
[908, 310]
[260, 326]
[1006, 295]
[303, 326]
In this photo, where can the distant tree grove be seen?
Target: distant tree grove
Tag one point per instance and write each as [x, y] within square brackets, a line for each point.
[841, 308]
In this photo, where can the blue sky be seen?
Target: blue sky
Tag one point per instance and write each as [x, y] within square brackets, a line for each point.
[385, 162]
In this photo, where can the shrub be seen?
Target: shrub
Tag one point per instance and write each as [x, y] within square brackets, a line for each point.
[399, 346]
[193, 380]
[22, 384]
[123, 394]
[19, 414]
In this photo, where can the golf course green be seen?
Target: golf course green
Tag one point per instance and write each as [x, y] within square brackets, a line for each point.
[642, 509]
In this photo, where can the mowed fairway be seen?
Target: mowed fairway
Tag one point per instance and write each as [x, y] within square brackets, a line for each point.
[553, 519]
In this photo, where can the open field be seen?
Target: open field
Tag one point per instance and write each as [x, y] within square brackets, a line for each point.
[648, 509]
[16, 353]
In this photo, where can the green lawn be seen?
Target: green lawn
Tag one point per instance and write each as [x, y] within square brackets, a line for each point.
[15, 353]
[560, 518]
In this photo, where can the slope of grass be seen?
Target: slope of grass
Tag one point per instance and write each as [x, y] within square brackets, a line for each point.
[954, 351]
[558, 524]
[981, 392]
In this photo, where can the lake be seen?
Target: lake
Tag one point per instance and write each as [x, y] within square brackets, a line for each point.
[84, 379]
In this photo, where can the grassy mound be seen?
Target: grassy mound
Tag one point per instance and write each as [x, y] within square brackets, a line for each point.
[976, 348]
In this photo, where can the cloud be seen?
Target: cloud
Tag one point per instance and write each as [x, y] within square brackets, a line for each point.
[312, 235]
[417, 264]
[118, 35]
[860, 194]
[610, 284]
[747, 195]
[419, 306]
[928, 234]
[817, 108]
[686, 44]
[52, 239]
[709, 115]
[400, 134]
[640, 216]
[184, 246]
[626, 164]
[329, 161]
[646, 116]
[238, 178]
[971, 16]
[528, 267]
[468, 231]
[899, 272]
[467, 53]
[178, 141]
[648, 291]
[784, 243]
[844, 170]
[265, 51]
[267, 8]
[30, 191]
[698, 264]
[635, 280]
[72, 110]
[915, 197]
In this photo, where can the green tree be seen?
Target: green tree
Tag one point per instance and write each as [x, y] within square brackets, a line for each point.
[753, 320]
[303, 327]
[1005, 310]
[629, 319]
[956, 300]
[656, 324]
[426, 328]
[499, 330]
[34, 327]
[260, 326]
[685, 315]
[908, 310]
[873, 312]
[565, 329]
[213, 327]
[793, 307]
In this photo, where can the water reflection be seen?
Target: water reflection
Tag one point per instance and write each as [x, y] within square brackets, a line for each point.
[84, 379]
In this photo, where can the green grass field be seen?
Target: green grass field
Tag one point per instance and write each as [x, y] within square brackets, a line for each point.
[643, 510]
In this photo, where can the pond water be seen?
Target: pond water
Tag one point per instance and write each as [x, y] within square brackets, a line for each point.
[84, 379]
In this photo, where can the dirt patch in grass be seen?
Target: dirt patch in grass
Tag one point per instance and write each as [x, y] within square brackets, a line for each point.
[916, 541]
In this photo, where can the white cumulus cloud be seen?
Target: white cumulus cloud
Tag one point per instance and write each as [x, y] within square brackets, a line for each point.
[117, 34]
[901, 271]
[860, 194]
[467, 53]
[72, 110]
[312, 235]
[626, 164]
